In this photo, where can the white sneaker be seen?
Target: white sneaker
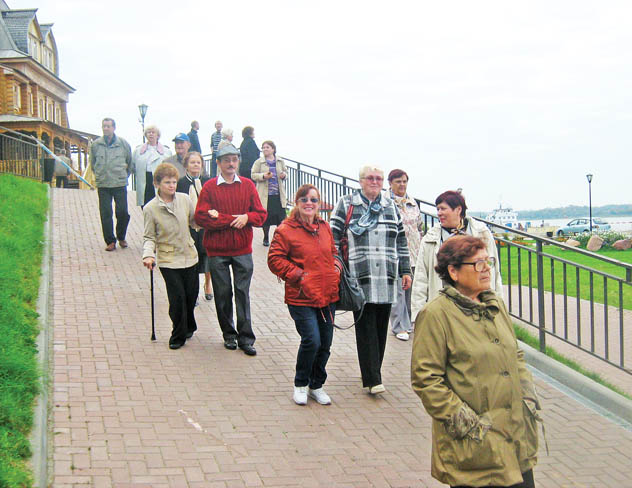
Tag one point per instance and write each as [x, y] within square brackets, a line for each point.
[300, 395]
[377, 389]
[403, 336]
[319, 395]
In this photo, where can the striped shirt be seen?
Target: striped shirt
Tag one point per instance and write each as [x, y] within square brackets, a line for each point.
[215, 139]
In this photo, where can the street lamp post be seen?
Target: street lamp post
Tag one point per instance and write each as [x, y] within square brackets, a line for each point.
[589, 177]
[142, 108]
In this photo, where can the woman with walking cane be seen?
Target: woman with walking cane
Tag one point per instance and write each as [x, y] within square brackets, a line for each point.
[167, 240]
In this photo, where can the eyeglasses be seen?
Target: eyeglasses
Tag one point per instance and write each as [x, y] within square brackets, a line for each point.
[305, 200]
[377, 179]
[480, 264]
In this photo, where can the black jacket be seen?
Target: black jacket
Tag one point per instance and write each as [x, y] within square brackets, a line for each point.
[249, 154]
[195, 141]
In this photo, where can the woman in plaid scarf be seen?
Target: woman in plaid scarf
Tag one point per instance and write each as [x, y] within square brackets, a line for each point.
[378, 253]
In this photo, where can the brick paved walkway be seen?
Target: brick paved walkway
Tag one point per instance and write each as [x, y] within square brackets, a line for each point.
[129, 412]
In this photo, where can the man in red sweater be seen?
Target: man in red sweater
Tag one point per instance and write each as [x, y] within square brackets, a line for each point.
[228, 207]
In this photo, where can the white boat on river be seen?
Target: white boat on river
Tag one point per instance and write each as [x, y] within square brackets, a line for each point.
[503, 216]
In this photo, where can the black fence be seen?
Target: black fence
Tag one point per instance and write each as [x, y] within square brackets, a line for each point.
[579, 297]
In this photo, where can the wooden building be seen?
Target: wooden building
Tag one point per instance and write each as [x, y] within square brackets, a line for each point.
[33, 99]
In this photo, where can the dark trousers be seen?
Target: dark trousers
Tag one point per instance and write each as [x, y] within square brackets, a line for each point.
[183, 286]
[223, 290]
[61, 181]
[119, 194]
[213, 166]
[370, 333]
[527, 482]
[150, 190]
[316, 328]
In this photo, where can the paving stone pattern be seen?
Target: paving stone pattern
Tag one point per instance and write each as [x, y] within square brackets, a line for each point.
[131, 413]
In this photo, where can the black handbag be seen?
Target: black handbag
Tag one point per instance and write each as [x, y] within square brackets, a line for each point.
[351, 295]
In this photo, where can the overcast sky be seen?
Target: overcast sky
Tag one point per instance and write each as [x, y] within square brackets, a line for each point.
[515, 103]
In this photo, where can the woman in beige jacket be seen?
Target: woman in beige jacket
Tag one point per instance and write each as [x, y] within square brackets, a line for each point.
[167, 240]
[472, 378]
[451, 210]
[269, 173]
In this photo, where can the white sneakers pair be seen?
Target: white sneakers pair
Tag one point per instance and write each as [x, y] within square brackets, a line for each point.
[302, 392]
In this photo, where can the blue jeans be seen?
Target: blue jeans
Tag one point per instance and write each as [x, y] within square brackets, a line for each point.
[316, 328]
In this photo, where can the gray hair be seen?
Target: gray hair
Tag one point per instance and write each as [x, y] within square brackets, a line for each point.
[365, 170]
[226, 133]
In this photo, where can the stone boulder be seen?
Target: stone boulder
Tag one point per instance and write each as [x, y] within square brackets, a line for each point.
[623, 244]
[594, 243]
[572, 243]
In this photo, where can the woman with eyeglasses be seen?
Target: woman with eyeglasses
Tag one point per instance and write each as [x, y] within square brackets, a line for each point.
[191, 184]
[451, 210]
[302, 254]
[377, 256]
[472, 378]
[269, 173]
[401, 324]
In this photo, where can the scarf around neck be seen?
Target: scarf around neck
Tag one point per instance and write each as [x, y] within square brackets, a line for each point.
[487, 307]
[368, 221]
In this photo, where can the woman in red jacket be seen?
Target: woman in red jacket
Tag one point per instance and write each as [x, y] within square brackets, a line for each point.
[302, 254]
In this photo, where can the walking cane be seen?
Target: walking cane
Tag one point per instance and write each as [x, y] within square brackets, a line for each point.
[151, 278]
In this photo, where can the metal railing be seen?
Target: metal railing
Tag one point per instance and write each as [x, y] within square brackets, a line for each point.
[577, 303]
[546, 291]
[20, 158]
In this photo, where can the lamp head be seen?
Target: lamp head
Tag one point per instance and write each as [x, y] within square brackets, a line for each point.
[142, 108]
[589, 177]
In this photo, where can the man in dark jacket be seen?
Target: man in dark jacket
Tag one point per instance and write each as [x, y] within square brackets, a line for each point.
[111, 161]
[248, 150]
[193, 137]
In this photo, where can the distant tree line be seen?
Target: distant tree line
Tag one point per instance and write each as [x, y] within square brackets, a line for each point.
[570, 211]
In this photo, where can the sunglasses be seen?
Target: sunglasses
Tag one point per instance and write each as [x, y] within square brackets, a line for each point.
[305, 200]
[480, 264]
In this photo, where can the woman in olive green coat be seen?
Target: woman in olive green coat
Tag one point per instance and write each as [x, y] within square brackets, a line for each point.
[472, 378]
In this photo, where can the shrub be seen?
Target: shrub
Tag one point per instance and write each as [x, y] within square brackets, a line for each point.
[609, 238]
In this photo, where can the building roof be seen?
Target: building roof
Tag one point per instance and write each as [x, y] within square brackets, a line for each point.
[17, 23]
[45, 29]
[6, 41]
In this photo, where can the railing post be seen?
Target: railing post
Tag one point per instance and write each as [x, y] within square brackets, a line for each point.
[540, 275]
[628, 274]
[298, 175]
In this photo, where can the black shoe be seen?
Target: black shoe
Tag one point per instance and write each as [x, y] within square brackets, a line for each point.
[176, 345]
[266, 243]
[249, 349]
[230, 344]
[190, 334]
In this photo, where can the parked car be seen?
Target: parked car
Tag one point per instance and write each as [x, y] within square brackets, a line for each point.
[577, 226]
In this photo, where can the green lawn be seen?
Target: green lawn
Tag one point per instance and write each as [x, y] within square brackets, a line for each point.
[23, 206]
[584, 276]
